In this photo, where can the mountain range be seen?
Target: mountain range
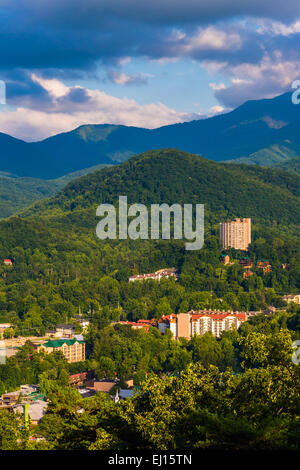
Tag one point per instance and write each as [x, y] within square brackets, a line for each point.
[262, 131]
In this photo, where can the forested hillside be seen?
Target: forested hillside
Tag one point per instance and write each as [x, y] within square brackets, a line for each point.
[59, 265]
[17, 193]
[241, 391]
[291, 165]
[172, 176]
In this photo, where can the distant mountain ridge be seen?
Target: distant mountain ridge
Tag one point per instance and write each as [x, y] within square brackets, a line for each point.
[252, 129]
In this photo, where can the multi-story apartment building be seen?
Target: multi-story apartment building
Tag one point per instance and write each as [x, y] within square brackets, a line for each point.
[72, 349]
[186, 325]
[236, 234]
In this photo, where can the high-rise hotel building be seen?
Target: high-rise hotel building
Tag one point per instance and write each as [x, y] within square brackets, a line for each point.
[236, 234]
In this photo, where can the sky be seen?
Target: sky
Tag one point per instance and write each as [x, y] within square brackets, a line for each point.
[141, 63]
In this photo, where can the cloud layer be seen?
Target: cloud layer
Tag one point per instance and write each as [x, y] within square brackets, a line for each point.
[57, 108]
[253, 45]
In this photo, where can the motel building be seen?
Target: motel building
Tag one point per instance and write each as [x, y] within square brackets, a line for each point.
[186, 325]
[72, 349]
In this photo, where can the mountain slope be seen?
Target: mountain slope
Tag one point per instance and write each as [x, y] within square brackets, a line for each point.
[291, 165]
[254, 126]
[17, 193]
[173, 176]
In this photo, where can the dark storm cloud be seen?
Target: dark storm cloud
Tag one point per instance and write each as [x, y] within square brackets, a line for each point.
[92, 13]
[72, 36]
[21, 90]
[68, 39]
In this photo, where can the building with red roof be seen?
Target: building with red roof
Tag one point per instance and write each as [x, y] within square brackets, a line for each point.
[7, 262]
[186, 325]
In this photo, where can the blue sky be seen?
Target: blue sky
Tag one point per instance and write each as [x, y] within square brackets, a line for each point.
[136, 62]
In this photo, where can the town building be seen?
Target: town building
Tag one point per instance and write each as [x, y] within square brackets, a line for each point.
[236, 234]
[65, 330]
[7, 262]
[186, 325]
[104, 386]
[72, 349]
[247, 274]
[246, 263]
[285, 266]
[3, 327]
[265, 265]
[224, 259]
[295, 298]
[157, 275]
[81, 378]
[138, 325]
[36, 410]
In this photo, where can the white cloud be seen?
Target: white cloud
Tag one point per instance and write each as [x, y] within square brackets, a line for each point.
[266, 79]
[277, 28]
[211, 38]
[97, 107]
[121, 78]
[216, 109]
[217, 87]
[54, 87]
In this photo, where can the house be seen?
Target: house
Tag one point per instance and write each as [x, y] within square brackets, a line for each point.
[104, 386]
[165, 273]
[139, 325]
[52, 333]
[3, 327]
[7, 262]
[245, 263]
[10, 398]
[295, 298]
[72, 349]
[124, 393]
[264, 265]
[247, 274]
[285, 266]
[224, 259]
[84, 324]
[129, 383]
[270, 310]
[86, 392]
[81, 378]
[168, 321]
[65, 330]
[36, 410]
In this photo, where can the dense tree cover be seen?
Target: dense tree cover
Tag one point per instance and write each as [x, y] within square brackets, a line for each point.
[242, 391]
[17, 193]
[30, 367]
[119, 351]
[172, 176]
[200, 407]
[60, 269]
[48, 285]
